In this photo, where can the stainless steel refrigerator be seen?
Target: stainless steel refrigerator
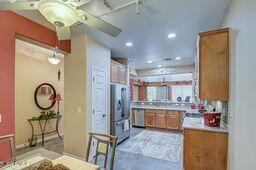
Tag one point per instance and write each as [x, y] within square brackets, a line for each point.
[120, 111]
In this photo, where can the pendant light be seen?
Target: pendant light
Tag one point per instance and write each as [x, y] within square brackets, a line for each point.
[53, 59]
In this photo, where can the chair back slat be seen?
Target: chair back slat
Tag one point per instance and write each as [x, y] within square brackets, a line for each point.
[102, 140]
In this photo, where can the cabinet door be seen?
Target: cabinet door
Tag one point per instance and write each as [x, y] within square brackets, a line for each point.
[173, 120]
[150, 119]
[122, 74]
[142, 93]
[114, 72]
[160, 119]
[214, 65]
[205, 150]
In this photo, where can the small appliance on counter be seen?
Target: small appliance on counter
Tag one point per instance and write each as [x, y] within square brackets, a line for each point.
[212, 119]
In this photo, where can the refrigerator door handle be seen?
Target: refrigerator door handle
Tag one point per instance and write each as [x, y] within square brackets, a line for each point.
[119, 123]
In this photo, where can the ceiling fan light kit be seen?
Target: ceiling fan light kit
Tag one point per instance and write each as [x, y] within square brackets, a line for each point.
[63, 14]
[58, 13]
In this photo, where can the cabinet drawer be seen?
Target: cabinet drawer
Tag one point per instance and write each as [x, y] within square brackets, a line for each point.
[173, 112]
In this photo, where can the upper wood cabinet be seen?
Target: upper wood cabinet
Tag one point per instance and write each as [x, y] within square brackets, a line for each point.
[214, 65]
[122, 74]
[114, 72]
[142, 93]
[118, 73]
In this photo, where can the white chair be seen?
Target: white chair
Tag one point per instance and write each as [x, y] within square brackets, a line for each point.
[10, 140]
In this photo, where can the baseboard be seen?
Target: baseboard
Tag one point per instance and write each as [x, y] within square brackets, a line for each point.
[39, 140]
[74, 156]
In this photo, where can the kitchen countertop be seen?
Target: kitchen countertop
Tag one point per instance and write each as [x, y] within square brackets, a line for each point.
[198, 124]
[178, 108]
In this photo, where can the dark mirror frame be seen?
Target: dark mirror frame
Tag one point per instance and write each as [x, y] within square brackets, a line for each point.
[35, 96]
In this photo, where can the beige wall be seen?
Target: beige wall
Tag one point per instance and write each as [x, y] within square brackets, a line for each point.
[75, 98]
[86, 55]
[242, 138]
[29, 73]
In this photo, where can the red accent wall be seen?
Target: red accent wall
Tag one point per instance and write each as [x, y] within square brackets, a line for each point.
[12, 24]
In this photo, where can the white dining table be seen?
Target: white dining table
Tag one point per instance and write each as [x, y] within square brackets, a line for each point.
[70, 162]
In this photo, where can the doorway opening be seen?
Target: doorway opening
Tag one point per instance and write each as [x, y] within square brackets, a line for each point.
[39, 100]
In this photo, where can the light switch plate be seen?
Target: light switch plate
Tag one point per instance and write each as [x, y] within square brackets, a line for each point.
[79, 110]
[0, 117]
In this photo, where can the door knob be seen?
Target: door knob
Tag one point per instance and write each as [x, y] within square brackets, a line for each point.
[104, 115]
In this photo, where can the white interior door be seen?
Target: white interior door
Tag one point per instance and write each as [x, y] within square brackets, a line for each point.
[99, 105]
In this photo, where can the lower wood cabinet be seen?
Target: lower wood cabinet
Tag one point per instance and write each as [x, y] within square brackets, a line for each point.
[205, 150]
[150, 119]
[164, 119]
[173, 120]
[161, 119]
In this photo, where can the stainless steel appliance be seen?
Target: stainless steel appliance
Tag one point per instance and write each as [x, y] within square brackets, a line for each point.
[120, 111]
[138, 118]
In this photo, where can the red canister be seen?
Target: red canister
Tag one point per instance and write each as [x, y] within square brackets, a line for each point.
[212, 118]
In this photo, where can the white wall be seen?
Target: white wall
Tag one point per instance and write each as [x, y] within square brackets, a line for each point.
[242, 137]
[98, 56]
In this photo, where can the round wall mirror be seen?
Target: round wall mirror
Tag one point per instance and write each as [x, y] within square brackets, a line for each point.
[45, 95]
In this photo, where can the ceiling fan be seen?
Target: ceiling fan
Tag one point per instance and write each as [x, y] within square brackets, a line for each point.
[63, 14]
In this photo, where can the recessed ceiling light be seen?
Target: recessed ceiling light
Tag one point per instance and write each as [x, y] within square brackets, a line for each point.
[159, 65]
[129, 44]
[171, 35]
[149, 61]
[178, 58]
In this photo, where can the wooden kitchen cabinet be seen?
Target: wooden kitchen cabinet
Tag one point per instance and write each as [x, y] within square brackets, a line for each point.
[160, 119]
[122, 74]
[163, 119]
[173, 120]
[118, 73]
[114, 72]
[205, 150]
[150, 118]
[214, 65]
[142, 96]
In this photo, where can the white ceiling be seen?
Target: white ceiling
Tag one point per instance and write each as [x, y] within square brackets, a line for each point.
[148, 31]
[34, 51]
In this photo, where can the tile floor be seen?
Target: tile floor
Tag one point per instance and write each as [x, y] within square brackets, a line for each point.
[123, 160]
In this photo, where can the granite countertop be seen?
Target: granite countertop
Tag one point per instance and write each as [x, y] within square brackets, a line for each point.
[198, 124]
[178, 108]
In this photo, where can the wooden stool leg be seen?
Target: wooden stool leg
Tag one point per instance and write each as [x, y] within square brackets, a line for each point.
[12, 149]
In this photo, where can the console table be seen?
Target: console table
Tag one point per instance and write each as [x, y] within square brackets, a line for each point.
[42, 123]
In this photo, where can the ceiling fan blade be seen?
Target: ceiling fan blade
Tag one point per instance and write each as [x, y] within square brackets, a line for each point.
[99, 24]
[16, 6]
[63, 33]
